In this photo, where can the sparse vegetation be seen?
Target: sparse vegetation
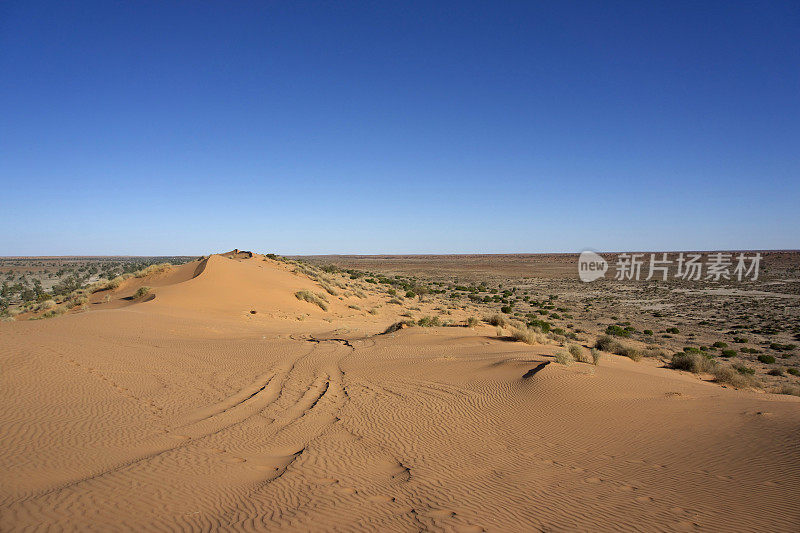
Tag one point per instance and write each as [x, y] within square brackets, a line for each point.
[693, 362]
[766, 359]
[596, 356]
[732, 376]
[496, 320]
[563, 358]
[472, 322]
[141, 292]
[578, 353]
[429, 321]
[314, 298]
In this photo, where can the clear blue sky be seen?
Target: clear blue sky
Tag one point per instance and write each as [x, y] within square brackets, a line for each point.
[343, 127]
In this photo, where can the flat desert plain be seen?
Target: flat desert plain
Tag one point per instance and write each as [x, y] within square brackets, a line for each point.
[238, 393]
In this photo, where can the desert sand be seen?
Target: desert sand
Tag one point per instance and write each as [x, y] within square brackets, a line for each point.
[222, 401]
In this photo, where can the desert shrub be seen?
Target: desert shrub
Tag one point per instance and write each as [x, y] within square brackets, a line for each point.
[745, 370]
[152, 269]
[526, 335]
[330, 290]
[577, 353]
[373, 311]
[606, 343]
[739, 340]
[631, 353]
[472, 322]
[400, 325]
[395, 301]
[391, 292]
[782, 347]
[673, 330]
[720, 344]
[692, 362]
[564, 358]
[766, 359]
[775, 372]
[507, 309]
[788, 389]
[618, 331]
[541, 325]
[353, 306]
[596, 356]
[142, 291]
[793, 371]
[429, 321]
[728, 353]
[45, 305]
[499, 331]
[691, 349]
[410, 294]
[310, 297]
[729, 376]
[648, 332]
[496, 320]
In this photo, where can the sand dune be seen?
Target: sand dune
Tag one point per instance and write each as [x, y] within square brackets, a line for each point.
[189, 411]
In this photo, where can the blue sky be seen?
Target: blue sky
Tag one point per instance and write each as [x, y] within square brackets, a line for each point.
[375, 127]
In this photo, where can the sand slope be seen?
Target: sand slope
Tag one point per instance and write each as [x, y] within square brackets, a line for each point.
[189, 412]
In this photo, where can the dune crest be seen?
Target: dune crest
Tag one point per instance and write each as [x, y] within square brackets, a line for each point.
[227, 402]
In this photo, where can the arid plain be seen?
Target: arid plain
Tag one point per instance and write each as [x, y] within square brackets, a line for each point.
[248, 392]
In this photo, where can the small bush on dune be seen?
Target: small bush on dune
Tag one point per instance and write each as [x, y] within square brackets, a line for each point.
[525, 335]
[496, 320]
[596, 356]
[607, 344]
[310, 297]
[578, 353]
[429, 321]
[152, 269]
[788, 389]
[330, 290]
[730, 376]
[472, 322]
[692, 362]
[766, 359]
[564, 358]
[395, 301]
[142, 291]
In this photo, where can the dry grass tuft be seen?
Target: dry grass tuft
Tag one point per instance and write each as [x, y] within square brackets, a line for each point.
[731, 376]
[564, 358]
[310, 297]
[496, 320]
[578, 353]
[693, 362]
[596, 356]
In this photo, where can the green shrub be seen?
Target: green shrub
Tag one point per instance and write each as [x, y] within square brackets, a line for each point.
[728, 353]
[745, 370]
[720, 344]
[429, 321]
[472, 322]
[793, 371]
[141, 292]
[507, 309]
[766, 359]
[673, 330]
[648, 332]
[410, 294]
[775, 372]
[618, 331]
